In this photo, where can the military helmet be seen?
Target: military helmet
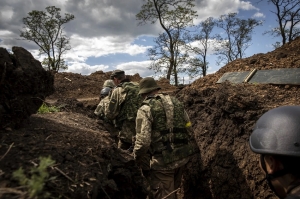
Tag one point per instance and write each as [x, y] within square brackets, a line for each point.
[116, 73]
[105, 91]
[147, 85]
[109, 83]
[277, 132]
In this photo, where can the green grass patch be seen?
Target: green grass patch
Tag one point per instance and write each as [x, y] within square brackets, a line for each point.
[47, 109]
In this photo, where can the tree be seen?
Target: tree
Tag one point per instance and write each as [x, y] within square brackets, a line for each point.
[46, 30]
[173, 16]
[237, 37]
[288, 18]
[199, 64]
[160, 54]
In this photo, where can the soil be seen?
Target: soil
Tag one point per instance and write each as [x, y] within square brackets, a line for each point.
[89, 165]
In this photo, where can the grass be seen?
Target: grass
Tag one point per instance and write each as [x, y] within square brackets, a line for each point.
[47, 109]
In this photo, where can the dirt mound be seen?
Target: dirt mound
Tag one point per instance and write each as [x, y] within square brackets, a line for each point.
[88, 164]
[223, 116]
[68, 85]
[74, 85]
[286, 56]
[24, 85]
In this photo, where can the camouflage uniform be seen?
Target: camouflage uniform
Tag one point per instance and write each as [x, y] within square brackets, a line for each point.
[102, 106]
[108, 83]
[155, 119]
[117, 109]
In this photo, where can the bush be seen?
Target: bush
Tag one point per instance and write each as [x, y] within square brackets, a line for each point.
[34, 184]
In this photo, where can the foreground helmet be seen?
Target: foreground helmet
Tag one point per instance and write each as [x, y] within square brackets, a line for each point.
[105, 91]
[109, 83]
[277, 132]
[147, 85]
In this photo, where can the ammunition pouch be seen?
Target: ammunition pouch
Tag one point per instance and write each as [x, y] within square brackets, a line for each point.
[177, 153]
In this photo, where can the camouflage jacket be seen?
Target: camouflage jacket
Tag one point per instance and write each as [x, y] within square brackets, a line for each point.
[151, 122]
[102, 106]
[123, 103]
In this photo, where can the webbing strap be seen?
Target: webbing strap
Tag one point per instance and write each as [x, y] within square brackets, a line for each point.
[169, 109]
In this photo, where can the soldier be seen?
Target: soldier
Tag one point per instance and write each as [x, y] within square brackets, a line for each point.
[123, 105]
[103, 104]
[276, 137]
[108, 83]
[163, 130]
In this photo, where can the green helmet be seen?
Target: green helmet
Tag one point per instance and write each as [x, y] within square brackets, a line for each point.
[116, 73]
[147, 85]
[108, 83]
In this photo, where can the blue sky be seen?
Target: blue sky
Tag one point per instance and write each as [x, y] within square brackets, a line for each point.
[105, 36]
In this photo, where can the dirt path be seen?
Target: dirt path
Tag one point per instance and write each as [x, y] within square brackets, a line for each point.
[52, 101]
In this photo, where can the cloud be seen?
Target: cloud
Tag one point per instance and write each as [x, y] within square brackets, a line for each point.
[132, 68]
[216, 8]
[247, 5]
[85, 69]
[259, 15]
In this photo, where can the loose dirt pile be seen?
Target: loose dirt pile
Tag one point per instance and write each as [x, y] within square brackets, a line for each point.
[223, 115]
[88, 164]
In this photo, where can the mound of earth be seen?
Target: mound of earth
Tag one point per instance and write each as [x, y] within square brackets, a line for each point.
[223, 116]
[73, 85]
[24, 85]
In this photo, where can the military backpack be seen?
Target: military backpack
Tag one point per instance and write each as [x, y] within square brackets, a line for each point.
[132, 101]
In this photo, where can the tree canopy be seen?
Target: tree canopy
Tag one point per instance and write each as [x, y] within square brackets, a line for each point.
[288, 19]
[45, 28]
[238, 35]
[173, 16]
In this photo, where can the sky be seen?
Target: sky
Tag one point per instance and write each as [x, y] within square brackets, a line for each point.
[105, 34]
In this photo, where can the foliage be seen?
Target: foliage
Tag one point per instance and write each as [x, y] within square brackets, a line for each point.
[39, 175]
[173, 16]
[237, 37]
[46, 30]
[288, 18]
[198, 64]
[47, 109]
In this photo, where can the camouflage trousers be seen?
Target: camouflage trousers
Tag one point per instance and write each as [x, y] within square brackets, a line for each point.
[126, 134]
[163, 183]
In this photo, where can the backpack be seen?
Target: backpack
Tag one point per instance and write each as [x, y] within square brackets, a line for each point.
[168, 113]
[131, 103]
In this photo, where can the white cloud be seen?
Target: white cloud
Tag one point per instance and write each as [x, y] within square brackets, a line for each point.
[259, 15]
[88, 47]
[85, 69]
[216, 8]
[246, 5]
[132, 68]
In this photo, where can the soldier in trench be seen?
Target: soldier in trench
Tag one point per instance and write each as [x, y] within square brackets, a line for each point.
[163, 131]
[276, 137]
[105, 93]
[123, 105]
